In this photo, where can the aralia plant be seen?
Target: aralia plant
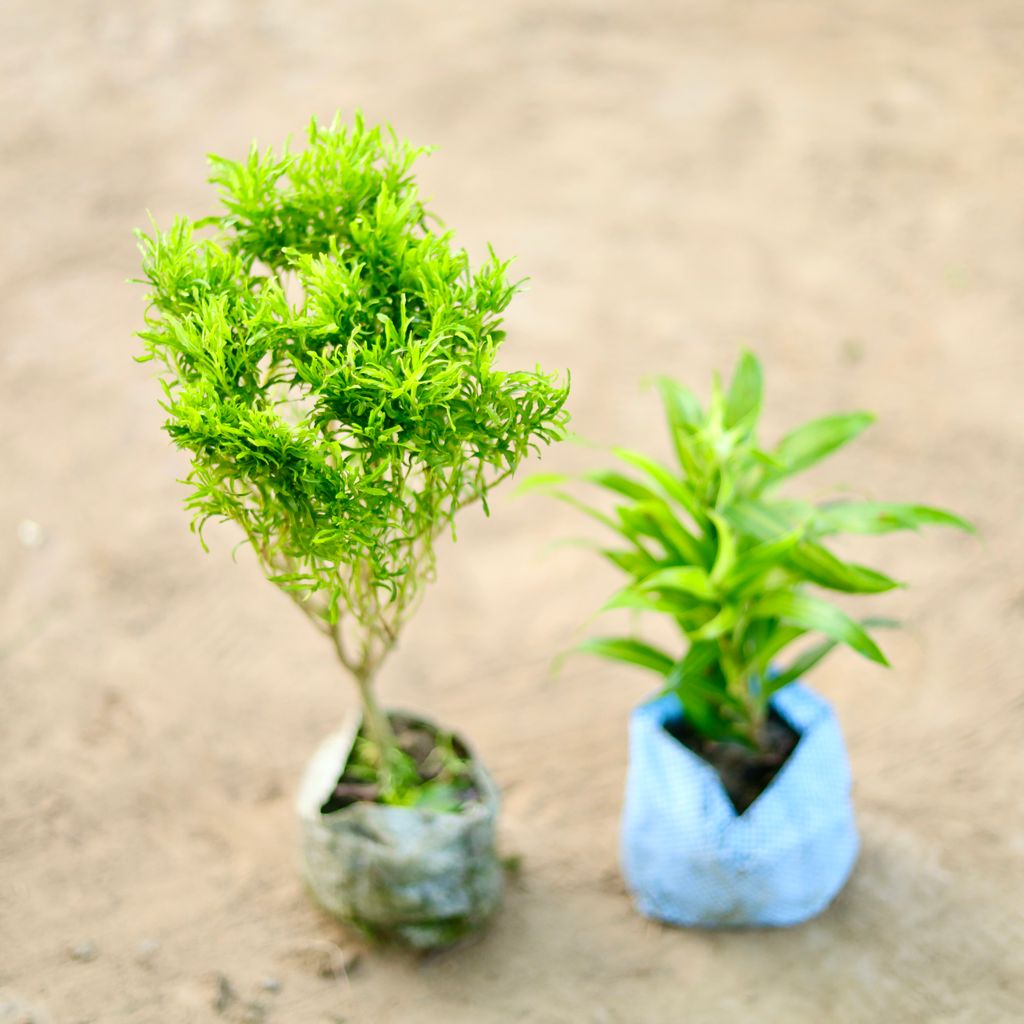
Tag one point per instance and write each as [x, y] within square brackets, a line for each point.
[712, 545]
[328, 360]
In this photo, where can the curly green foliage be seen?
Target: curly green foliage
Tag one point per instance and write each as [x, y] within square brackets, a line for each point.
[712, 546]
[329, 362]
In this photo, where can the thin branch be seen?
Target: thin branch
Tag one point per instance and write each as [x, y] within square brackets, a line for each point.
[334, 632]
[314, 615]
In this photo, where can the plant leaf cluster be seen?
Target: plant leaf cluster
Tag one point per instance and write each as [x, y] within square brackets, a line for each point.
[441, 784]
[711, 545]
[328, 359]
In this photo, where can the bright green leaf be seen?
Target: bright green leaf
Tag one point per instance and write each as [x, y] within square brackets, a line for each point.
[744, 399]
[689, 579]
[816, 615]
[820, 566]
[632, 652]
[812, 442]
[882, 517]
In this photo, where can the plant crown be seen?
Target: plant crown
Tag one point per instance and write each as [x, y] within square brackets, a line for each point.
[711, 546]
[328, 359]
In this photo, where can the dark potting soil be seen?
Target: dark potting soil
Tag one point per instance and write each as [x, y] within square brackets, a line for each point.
[745, 773]
[418, 740]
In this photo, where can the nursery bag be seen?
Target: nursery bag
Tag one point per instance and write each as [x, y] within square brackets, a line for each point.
[690, 859]
[422, 876]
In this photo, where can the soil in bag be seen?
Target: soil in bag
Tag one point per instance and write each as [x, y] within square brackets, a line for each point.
[745, 773]
[436, 770]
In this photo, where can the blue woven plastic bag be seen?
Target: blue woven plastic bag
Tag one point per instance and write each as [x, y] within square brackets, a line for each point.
[689, 859]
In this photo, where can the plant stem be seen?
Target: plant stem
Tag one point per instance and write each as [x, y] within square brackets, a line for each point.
[375, 721]
[378, 728]
[758, 717]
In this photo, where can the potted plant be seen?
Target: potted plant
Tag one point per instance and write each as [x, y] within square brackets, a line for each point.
[737, 808]
[328, 360]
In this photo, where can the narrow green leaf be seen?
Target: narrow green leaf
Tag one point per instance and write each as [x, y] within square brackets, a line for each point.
[636, 600]
[589, 510]
[743, 402]
[875, 517]
[778, 639]
[706, 703]
[813, 441]
[725, 619]
[820, 566]
[800, 666]
[638, 563]
[684, 418]
[690, 681]
[654, 519]
[541, 482]
[630, 651]
[677, 490]
[620, 484]
[688, 579]
[758, 560]
[816, 615]
[767, 521]
[725, 553]
[680, 403]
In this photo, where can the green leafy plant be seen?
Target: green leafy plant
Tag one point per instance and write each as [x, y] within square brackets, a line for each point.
[439, 783]
[712, 546]
[328, 359]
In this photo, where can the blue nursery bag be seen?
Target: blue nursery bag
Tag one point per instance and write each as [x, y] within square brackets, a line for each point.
[690, 859]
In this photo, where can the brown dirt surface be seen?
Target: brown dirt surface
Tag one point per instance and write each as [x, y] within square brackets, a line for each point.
[836, 184]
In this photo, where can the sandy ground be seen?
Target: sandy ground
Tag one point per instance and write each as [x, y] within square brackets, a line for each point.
[836, 184]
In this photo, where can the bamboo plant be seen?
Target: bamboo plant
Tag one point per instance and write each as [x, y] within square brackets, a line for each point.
[327, 358]
[737, 568]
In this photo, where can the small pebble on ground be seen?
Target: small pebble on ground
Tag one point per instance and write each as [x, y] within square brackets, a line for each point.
[30, 534]
[146, 950]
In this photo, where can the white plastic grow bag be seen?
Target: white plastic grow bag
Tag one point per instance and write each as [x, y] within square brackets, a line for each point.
[690, 859]
[423, 877]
